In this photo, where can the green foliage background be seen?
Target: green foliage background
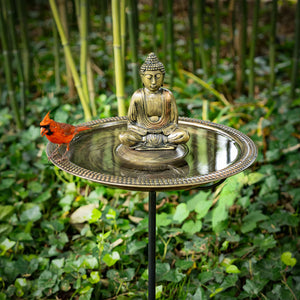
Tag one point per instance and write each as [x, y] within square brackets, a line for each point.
[66, 238]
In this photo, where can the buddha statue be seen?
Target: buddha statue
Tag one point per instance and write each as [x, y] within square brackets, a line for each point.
[153, 115]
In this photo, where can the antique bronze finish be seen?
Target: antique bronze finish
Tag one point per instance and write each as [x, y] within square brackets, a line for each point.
[152, 115]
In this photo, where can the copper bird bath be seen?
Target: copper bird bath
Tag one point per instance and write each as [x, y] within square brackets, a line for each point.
[154, 150]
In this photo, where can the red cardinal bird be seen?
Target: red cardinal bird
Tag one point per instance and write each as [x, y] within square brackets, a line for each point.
[59, 133]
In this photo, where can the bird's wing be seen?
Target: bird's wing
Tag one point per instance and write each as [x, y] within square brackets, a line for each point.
[66, 129]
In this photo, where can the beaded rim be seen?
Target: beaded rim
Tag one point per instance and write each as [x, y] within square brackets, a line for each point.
[248, 154]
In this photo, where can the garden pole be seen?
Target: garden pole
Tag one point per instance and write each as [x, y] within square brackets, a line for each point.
[151, 245]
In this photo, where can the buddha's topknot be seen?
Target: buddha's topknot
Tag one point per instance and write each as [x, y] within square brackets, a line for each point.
[152, 64]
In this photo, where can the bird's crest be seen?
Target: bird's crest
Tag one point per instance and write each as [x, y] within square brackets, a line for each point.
[46, 119]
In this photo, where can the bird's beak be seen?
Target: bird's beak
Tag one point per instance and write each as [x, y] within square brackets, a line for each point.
[43, 131]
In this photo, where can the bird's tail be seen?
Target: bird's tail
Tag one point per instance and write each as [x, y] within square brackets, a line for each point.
[81, 128]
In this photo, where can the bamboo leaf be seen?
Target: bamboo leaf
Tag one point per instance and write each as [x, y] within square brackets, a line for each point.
[206, 86]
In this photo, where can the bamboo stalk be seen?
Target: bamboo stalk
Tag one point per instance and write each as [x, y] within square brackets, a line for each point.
[84, 48]
[16, 54]
[205, 109]
[217, 32]
[171, 46]
[103, 10]
[133, 45]
[22, 15]
[252, 48]
[165, 35]
[78, 12]
[273, 44]
[119, 75]
[90, 73]
[203, 54]
[8, 72]
[56, 58]
[232, 16]
[64, 22]
[136, 19]
[241, 45]
[295, 59]
[123, 31]
[68, 54]
[192, 33]
[86, 72]
[155, 5]
[91, 86]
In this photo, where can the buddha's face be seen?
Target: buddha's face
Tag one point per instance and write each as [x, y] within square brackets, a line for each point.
[152, 80]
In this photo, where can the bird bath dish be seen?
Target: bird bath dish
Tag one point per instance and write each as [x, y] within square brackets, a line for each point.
[215, 152]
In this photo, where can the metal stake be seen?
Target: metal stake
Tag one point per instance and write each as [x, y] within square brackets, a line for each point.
[151, 245]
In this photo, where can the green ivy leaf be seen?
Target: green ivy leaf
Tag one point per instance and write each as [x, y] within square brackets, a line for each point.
[65, 285]
[158, 291]
[46, 280]
[95, 216]
[90, 262]
[181, 213]
[192, 227]
[6, 183]
[94, 277]
[220, 214]
[6, 211]
[58, 263]
[255, 177]
[253, 287]
[287, 259]
[43, 197]
[66, 202]
[184, 264]
[111, 259]
[199, 295]
[35, 187]
[232, 269]
[135, 246]
[202, 208]
[163, 219]
[264, 242]
[173, 276]
[85, 293]
[161, 270]
[229, 281]
[20, 283]
[5, 229]
[31, 134]
[206, 276]
[32, 214]
[250, 221]
[196, 201]
[217, 291]
[228, 194]
[111, 214]
[21, 236]
[6, 245]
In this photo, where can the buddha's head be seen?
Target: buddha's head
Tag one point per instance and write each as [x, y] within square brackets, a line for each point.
[152, 73]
